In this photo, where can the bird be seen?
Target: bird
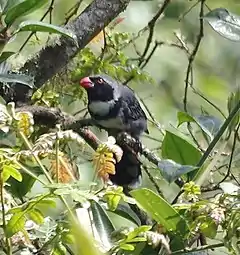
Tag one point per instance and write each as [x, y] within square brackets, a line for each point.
[115, 108]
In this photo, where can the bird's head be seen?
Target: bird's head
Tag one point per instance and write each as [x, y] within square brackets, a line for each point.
[100, 87]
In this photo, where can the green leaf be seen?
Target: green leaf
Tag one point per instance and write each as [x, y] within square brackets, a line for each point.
[160, 210]
[184, 117]
[36, 216]
[15, 224]
[125, 212]
[208, 124]
[102, 222]
[9, 170]
[171, 170]
[38, 26]
[209, 229]
[113, 197]
[137, 240]
[59, 249]
[225, 23]
[127, 247]
[67, 238]
[131, 235]
[21, 9]
[5, 55]
[17, 78]
[181, 151]
[47, 202]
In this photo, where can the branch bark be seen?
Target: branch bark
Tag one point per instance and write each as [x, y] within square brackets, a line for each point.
[53, 58]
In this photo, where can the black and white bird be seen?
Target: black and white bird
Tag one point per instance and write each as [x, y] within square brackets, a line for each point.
[116, 109]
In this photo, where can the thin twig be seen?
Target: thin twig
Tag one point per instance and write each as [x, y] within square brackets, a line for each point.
[154, 121]
[193, 55]
[72, 11]
[152, 179]
[188, 10]
[49, 10]
[197, 92]
[151, 54]
[151, 26]
[104, 45]
[231, 156]
[189, 74]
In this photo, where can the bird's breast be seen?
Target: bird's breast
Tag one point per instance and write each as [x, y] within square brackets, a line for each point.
[112, 123]
[99, 108]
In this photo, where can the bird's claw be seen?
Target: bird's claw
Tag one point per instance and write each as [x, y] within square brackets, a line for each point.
[137, 146]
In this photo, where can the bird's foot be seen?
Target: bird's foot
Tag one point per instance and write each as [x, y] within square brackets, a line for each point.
[136, 145]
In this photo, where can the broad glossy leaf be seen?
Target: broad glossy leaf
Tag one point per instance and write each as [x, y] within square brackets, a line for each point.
[171, 170]
[160, 210]
[17, 78]
[102, 222]
[181, 151]
[225, 23]
[21, 9]
[38, 26]
[208, 124]
[5, 55]
[125, 212]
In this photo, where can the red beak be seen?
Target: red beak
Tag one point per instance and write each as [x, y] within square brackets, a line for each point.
[86, 83]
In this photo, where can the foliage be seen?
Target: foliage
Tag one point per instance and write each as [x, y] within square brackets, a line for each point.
[64, 217]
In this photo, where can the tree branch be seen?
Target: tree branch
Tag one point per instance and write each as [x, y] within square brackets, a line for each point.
[53, 58]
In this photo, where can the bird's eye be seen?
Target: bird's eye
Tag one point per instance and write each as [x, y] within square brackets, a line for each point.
[100, 80]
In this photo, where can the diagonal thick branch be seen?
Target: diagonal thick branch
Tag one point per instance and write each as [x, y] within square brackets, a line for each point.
[49, 117]
[50, 60]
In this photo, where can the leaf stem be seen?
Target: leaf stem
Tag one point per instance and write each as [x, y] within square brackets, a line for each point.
[8, 241]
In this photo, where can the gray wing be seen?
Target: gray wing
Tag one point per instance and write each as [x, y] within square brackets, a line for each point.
[132, 111]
